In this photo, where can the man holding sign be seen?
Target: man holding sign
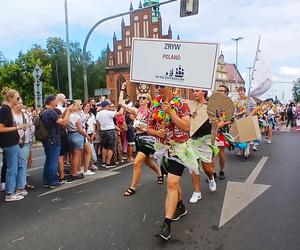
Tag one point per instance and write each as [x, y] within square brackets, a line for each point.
[170, 123]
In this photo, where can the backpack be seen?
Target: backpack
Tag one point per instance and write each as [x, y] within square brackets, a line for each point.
[40, 131]
[290, 111]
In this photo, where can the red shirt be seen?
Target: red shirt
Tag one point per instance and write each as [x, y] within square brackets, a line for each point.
[173, 132]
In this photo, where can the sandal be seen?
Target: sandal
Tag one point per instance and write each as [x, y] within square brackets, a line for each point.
[129, 192]
[28, 186]
[160, 179]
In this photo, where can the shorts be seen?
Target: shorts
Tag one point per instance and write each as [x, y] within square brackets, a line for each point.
[64, 144]
[75, 140]
[130, 135]
[108, 139]
[140, 145]
[175, 168]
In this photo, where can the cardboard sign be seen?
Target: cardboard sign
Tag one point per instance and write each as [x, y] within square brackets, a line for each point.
[245, 129]
[174, 63]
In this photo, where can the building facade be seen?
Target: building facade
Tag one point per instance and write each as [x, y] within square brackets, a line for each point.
[145, 23]
[227, 74]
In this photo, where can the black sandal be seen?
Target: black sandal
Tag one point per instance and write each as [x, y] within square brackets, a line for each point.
[160, 179]
[129, 192]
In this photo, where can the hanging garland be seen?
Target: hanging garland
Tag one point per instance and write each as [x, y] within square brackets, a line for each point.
[158, 113]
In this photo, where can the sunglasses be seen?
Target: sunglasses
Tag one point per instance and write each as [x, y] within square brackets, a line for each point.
[143, 98]
[159, 86]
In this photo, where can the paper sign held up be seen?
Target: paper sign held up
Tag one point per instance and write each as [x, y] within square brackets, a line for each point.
[245, 129]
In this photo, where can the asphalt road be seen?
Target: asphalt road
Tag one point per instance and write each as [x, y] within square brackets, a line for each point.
[93, 214]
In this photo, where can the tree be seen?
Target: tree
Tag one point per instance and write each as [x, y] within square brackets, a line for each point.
[296, 90]
[18, 74]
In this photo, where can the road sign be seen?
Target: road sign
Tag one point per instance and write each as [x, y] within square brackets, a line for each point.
[37, 72]
[174, 63]
[101, 92]
[38, 94]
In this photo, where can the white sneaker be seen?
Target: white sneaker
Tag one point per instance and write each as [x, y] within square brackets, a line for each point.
[2, 187]
[196, 196]
[88, 173]
[269, 141]
[13, 197]
[80, 172]
[94, 167]
[22, 192]
[212, 185]
[254, 147]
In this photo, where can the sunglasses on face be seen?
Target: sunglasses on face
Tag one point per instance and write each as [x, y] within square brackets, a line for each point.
[143, 98]
[159, 86]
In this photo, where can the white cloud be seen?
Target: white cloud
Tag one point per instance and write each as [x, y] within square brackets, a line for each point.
[288, 71]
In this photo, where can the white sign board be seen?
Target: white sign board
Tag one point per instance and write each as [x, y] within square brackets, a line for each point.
[174, 63]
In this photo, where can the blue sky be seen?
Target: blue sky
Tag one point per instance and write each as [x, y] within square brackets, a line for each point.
[25, 22]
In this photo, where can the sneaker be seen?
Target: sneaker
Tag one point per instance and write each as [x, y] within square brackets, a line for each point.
[80, 172]
[215, 175]
[179, 212]
[94, 167]
[13, 197]
[269, 141]
[196, 196]
[22, 192]
[221, 175]
[103, 165]
[71, 178]
[110, 165]
[88, 173]
[62, 180]
[165, 232]
[212, 185]
[2, 187]
[254, 147]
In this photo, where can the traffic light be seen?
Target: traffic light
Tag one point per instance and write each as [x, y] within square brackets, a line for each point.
[189, 7]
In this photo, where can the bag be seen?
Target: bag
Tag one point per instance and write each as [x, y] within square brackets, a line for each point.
[22, 140]
[40, 132]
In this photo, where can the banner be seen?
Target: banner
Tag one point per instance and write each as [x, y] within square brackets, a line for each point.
[174, 63]
[261, 81]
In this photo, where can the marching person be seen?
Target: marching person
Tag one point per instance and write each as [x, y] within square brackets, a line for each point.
[221, 140]
[243, 107]
[9, 142]
[141, 115]
[170, 123]
[201, 131]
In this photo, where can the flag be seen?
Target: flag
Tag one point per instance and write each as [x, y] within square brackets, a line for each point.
[261, 81]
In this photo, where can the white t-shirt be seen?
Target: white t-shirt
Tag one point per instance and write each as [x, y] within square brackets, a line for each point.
[61, 108]
[74, 117]
[106, 119]
[90, 122]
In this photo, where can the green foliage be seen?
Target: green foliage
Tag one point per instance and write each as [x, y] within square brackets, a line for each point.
[53, 61]
[296, 90]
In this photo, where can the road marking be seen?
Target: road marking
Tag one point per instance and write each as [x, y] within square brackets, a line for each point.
[239, 195]
[99, 175]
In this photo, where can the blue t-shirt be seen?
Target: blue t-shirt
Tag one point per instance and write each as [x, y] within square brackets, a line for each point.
[49, 118]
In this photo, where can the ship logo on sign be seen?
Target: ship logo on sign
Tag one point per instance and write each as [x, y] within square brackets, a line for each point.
[177, 74]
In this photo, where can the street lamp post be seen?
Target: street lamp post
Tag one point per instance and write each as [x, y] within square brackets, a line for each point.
[249, 72]
[68, 52]
[85, 63]
[236, 49]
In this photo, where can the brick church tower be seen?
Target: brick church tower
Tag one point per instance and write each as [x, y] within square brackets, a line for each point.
[143, 23]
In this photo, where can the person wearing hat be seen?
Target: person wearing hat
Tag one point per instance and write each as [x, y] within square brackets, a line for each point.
[50, 116]
[105, 119]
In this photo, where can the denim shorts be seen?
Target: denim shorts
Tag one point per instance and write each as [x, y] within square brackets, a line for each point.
[75, 140]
